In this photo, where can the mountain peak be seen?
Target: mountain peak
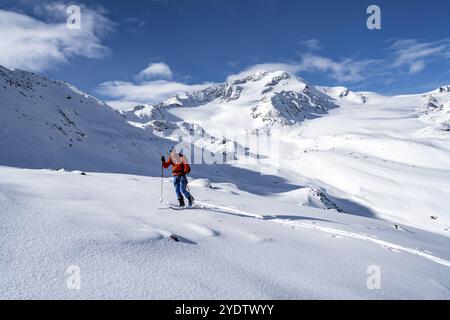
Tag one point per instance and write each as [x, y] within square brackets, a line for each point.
[3, 68]
[443, 89]
[248, 77]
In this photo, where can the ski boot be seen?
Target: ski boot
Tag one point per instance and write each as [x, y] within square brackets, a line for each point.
[181, 201]
[190, 201]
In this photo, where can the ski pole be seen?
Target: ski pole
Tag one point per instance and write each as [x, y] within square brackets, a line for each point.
[162, 177]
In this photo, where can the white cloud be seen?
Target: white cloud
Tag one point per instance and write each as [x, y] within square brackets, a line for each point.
[38, 45]
[155, 70]
[125, 95]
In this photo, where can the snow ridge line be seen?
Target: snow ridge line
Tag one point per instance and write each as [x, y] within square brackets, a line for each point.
[328, 230]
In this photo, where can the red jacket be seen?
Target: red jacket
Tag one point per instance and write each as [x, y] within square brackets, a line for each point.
[180, 165]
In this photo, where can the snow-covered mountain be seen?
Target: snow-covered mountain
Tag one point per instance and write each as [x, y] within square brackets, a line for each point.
[436, 111]
[51, 124]
[263, 100]
[367, 153]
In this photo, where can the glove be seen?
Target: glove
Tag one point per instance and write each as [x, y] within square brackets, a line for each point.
[163, 159]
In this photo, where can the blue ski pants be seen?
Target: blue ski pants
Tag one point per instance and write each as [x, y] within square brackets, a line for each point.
[180, 184]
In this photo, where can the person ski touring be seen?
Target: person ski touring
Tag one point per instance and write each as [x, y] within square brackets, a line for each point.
[180, 168]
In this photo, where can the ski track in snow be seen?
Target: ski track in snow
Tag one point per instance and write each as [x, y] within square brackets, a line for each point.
[353, 235]
[203, 205]
[337, 233]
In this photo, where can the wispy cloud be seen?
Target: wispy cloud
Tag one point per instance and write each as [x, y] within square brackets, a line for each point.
[40, 44]
[346, 70]
[136, 22]
[415, 55]
[402, 58]
[311, 44]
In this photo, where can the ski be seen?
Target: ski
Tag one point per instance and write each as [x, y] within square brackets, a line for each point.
[178, 208]
[182, 208]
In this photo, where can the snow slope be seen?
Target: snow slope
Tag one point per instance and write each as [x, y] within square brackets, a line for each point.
[51, 124]
[236, 245]
[385, 156]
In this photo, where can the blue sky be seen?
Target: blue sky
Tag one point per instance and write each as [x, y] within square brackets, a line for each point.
[189, 43]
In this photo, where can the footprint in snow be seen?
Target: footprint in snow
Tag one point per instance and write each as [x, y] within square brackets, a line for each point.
[143, 240]
[423, 250]
[390, 249]
[151, 233]
[258, 239]
[204, 231]
[148, 234]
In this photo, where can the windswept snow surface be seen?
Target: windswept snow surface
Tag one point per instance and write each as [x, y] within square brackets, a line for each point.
[381, 156]
[362, 180]
[233, 245]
